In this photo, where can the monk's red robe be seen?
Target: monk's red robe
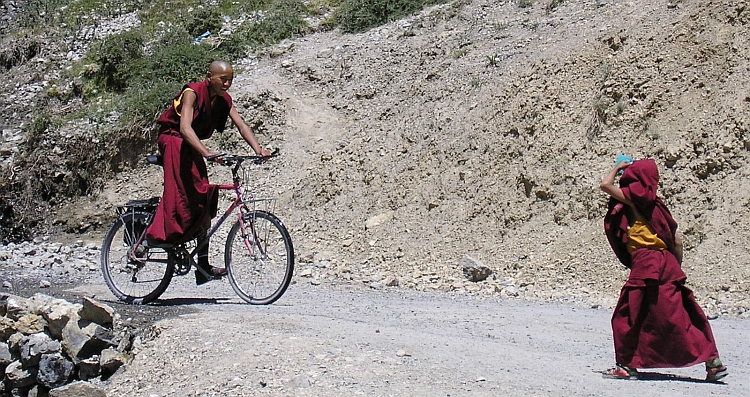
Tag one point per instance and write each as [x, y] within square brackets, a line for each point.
[188, 199]
[657, 323]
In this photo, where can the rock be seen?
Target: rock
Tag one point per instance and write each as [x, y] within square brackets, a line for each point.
[17, 376]
[300, 381]
[112, 359]
[5, 355]
[7, 328]
[80, 341]
[391, 281]
[474, 270]
[378, 220]
[57, 313]
[36, 345]
[78, 389]
[30, 324]
[89, 368]
[16, 307]
[96, 312]
[54, 370]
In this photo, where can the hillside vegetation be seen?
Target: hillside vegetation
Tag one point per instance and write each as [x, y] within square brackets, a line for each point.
[483, 128]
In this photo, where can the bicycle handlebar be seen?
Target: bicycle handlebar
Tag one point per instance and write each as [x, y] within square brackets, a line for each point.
[232, 160]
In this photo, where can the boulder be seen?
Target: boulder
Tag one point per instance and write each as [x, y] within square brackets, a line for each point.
[17, 376]
[36, 345]
[54, 370]
[78, 389]
[96, 312]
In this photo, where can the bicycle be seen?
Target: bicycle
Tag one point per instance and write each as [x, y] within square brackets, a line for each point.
[258, 253]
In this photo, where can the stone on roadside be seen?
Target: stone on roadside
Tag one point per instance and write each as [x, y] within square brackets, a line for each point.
[474, 270]
[111, 359]
[96, 312]
[17, 376]
[78, 389]
[54, 370]
[36, 345]
[89, 368]
[378, 220]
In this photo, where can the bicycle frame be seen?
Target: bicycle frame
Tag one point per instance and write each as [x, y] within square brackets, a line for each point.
[238, 202]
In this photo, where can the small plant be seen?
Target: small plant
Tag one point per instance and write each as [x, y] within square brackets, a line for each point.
[500, 26]
[460, 52]
[494, 60]
[525, 3]
[204, 19]
[552, 5]
[598, 117]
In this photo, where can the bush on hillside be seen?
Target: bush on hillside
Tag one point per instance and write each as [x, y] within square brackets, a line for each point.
[359, 15]
[114, 56]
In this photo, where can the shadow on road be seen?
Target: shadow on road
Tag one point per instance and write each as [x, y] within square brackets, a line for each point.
[191, 301]
[656, 376]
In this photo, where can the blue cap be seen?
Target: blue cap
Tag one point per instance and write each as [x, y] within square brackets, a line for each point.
[625, 158]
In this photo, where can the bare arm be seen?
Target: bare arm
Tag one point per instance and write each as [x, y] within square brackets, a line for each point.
[678, 248]
[247, 133]
[609, 187]
[186, 121]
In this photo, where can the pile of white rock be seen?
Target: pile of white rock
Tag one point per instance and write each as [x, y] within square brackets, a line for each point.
[51, 347]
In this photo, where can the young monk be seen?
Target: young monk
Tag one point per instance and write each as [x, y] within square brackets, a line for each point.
[657, 322]
[189, 201]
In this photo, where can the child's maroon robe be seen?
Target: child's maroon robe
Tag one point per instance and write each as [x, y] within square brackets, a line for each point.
[662, 326]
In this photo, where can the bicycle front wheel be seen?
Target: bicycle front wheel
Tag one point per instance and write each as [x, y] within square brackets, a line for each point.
[136, 279]
[259, 258]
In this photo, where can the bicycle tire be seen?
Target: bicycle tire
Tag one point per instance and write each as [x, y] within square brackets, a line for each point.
[133, 282]
[260, 277]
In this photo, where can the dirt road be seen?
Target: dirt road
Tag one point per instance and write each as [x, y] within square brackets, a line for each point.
[351, 340]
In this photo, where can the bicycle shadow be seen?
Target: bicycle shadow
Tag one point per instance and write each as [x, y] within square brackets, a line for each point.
[192, 301]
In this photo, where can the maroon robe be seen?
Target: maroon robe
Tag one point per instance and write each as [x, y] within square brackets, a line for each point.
[657, 323]
[188, 200]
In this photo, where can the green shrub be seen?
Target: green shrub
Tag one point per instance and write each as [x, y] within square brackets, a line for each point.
[282, 20]
[360, 15]
[115, 56]
[202, 20]
[143, 103]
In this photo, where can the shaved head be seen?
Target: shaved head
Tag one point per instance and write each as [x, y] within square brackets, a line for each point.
[219, 66]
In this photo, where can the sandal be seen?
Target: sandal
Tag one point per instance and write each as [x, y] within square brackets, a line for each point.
[620, 372]
[715, 370]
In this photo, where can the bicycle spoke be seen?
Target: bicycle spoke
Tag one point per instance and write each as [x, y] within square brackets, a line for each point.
[133, 280]
[261, 274]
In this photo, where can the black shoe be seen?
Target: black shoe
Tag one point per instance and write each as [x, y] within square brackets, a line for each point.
[216, 273]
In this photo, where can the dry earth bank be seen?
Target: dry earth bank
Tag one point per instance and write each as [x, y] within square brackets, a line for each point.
[483, 129]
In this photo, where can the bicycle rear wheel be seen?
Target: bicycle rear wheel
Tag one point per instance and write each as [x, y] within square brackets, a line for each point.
[133, 281]
[260, 258]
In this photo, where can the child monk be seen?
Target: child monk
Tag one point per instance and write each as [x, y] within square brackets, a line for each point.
[657, 322]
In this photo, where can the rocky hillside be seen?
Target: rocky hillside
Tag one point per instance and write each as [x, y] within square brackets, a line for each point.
[483, 128]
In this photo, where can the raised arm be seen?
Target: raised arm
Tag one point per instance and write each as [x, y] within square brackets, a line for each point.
[609, 187]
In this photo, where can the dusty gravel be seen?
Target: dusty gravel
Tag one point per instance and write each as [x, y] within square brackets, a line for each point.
[353, 340]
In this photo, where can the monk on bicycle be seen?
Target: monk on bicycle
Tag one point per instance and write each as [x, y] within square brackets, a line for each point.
[189, 201]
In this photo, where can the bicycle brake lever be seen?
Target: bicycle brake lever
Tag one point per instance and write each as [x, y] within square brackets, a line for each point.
[215, 156]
